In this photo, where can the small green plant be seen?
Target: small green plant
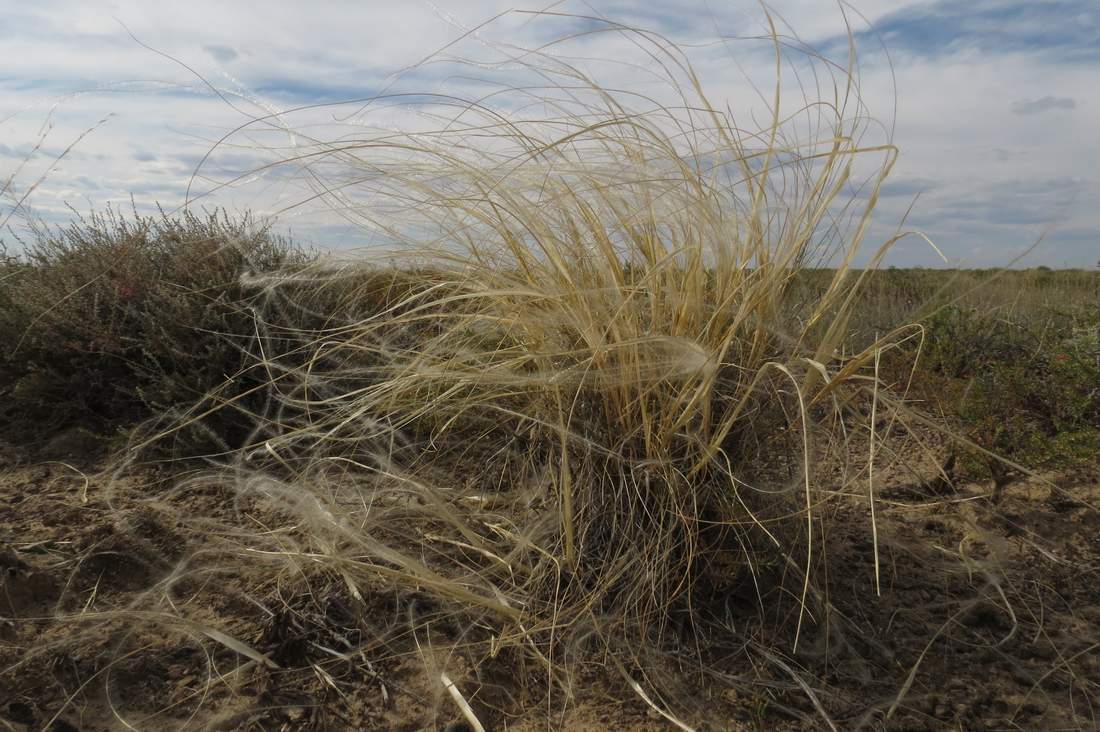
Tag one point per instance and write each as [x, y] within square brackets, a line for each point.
[962, 342]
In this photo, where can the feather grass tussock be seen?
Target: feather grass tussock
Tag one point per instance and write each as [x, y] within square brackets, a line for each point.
[552, 413]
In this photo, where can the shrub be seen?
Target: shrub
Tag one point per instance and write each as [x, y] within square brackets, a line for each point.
[963, 342]
[1024, 388]
[111, 320]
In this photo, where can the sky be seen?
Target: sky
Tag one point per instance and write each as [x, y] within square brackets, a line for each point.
[992, 104]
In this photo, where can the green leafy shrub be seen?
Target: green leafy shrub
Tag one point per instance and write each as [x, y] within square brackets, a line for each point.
[964, 342]
[111, 320]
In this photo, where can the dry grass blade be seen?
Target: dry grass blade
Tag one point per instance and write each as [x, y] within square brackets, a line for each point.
[242, 648]
[460, 701]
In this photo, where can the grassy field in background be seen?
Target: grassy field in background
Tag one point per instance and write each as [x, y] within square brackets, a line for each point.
[1010, 357]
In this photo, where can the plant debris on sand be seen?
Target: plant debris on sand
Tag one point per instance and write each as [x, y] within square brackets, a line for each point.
[119, 604]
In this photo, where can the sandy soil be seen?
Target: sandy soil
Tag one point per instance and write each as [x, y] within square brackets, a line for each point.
[988, 618]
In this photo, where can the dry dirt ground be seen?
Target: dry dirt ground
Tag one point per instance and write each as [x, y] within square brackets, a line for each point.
[988, 617]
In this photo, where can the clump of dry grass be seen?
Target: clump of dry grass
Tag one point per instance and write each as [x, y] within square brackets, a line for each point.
[563, 426]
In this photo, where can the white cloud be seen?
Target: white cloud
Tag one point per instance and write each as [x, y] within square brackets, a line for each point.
[1044, 104]
[968, 120]
[223, 54]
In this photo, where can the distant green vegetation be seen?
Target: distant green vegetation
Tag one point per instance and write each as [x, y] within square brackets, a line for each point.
[1012, 357]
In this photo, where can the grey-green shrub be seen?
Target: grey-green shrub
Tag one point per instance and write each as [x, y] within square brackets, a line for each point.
[113, 319]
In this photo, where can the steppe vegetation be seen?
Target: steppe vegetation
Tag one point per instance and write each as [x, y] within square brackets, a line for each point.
[600, 444]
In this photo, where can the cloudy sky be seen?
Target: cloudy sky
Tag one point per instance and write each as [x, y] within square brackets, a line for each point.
[993, 103]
